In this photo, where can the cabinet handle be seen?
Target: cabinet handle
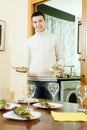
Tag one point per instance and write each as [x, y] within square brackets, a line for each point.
[83, 75]
[83, 60]
[79, 59]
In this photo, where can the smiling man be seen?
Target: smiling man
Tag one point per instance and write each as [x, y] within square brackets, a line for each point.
[42, 53]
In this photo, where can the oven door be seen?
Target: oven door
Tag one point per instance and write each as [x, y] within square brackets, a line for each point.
[70, 96]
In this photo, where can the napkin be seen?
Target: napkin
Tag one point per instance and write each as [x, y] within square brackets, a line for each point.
[69, 116]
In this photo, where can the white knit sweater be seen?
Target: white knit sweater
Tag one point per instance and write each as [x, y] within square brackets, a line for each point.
[42, 52]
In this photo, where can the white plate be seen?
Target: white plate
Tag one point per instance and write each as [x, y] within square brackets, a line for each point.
[10, 106]
[55, 105]
[33, 100]
[12, 115]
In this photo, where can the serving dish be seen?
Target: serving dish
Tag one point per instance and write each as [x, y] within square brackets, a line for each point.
[20, 113]
[51, 105]
[24, 101]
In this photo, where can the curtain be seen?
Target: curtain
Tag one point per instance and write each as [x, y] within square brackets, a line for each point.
[66, 31]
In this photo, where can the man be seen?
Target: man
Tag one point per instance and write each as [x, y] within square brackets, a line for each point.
[42, 53]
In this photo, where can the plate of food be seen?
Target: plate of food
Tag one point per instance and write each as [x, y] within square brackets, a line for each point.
[20, 69]
[48, 105]
[32, 100]
[20, 113]
[4, 105]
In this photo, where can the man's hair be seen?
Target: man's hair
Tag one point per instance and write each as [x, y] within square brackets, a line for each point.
[38, 14]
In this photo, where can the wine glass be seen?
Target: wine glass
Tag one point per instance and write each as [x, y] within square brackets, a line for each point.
[81, 91]
[53, 89]
[29, 92]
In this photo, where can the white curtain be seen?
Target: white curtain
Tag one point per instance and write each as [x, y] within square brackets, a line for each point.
[66, 31]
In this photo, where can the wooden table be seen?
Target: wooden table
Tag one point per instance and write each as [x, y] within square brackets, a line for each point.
[45, 122]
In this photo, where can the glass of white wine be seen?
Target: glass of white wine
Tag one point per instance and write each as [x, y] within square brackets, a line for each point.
[81, 91]
[53, 89]
[29, 91]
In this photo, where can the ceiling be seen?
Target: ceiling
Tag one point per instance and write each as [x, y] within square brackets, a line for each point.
[71, 6]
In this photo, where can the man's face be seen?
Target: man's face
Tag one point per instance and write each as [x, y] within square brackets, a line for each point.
[39, 23]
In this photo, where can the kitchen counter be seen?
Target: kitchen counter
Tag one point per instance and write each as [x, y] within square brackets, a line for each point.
[68, 78]
[38, 78]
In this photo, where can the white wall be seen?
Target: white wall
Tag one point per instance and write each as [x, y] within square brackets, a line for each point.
[15, 13]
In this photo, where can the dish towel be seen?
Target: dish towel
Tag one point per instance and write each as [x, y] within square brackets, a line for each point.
[69, 116]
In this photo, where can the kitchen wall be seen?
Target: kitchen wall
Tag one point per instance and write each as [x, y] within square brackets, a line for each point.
[14, 12]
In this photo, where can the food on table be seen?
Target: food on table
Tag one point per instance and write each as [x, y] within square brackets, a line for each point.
[21, 111]
[47, 104]
[3, 104]
[20, 69]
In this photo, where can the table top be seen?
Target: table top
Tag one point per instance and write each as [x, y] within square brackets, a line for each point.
[44, 122]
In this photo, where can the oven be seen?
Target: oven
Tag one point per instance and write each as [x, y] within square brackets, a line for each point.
[68, 91]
